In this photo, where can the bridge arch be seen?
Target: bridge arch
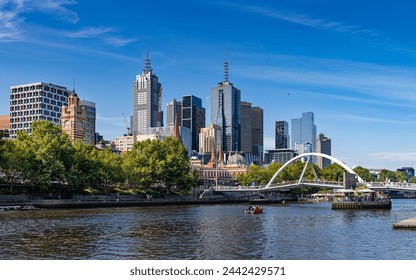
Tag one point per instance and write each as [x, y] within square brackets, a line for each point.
[346, 167]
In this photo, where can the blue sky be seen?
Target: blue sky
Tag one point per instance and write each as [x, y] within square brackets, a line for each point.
[352, 63]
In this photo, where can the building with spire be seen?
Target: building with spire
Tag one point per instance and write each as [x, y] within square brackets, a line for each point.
[225, 112]
[147, 98]
[73, 118]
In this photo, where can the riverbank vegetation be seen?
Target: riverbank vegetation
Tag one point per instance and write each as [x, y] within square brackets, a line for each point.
[46, 159]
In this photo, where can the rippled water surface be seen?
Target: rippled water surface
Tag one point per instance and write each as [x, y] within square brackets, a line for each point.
[290, 231]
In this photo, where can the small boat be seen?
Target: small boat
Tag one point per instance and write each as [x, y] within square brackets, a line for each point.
[254, 210]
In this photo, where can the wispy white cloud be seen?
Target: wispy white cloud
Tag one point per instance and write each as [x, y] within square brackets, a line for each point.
[12, 17]
[409, 156]
[376, 120]
[89, 32]
[10, 20]
[119, 41]
[368, 80]
[57, 8]
[302, 19]
[13, 25]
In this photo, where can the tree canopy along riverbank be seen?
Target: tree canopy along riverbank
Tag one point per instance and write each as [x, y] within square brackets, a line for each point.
[46, 158]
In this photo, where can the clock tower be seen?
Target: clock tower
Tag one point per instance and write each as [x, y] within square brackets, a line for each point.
[73, 118]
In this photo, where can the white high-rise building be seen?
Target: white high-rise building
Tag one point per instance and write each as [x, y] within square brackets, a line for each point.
[147, 98]
[36, 101]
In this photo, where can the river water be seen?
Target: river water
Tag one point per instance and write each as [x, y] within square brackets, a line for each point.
[215, 232]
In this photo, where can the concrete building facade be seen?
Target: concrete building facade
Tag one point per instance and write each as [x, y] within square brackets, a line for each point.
[36, 101]
[147, 98]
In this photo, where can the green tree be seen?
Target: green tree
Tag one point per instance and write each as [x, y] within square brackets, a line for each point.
[387, 175]
[11, 160]
[174, 164]
[45, 154]
[364, 173]
[139, 165]
[81, 172]
[333, 172]
[108, 167]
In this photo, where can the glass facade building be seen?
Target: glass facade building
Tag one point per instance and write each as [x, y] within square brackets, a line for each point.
[304, 133]
[225, 112]
[281, 135]
[193, 117]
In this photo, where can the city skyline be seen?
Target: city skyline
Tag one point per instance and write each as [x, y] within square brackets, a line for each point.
[355, 72]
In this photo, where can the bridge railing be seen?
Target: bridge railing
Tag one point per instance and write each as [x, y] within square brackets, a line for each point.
[392, 185]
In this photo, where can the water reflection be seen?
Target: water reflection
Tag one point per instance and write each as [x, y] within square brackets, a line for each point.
[309, 231]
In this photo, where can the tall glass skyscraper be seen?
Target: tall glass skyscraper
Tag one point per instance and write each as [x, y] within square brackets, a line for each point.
[304, 133]
[225, 112]
[193, 117]
[281, 135]
[147, 98]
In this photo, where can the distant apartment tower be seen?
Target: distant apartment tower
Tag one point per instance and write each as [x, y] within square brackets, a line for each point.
[124, 143]
[323, 145]
[173, 110]
[193, 117]
[246, 127]
[147, 98]
[281, 135]
[210, 139]
[36, 101]
[257, 132]
[304, 133]
[225, 112]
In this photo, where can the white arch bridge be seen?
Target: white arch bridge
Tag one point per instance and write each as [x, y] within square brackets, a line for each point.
[349, 180]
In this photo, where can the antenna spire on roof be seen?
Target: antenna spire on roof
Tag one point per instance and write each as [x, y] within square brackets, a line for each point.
[147, 67]
[225, 68]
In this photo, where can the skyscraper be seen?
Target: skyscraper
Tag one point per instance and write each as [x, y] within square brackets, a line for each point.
[323, 145]
[225, 112]
[246, 127]
[173, 110]
[36, 101]
[193, 117]
[304, 133]
[90, 118]
[147, 98]
[257, 132]
[281, 135]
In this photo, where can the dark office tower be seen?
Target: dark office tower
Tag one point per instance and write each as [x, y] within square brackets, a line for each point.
[323, 146]
[193, 117]
[147, 97]
[173, 110]
[246, 127]
[257, 132]
[281, 135]
[225, 112]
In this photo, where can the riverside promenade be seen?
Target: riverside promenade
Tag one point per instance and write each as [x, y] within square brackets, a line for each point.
[102, 201]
